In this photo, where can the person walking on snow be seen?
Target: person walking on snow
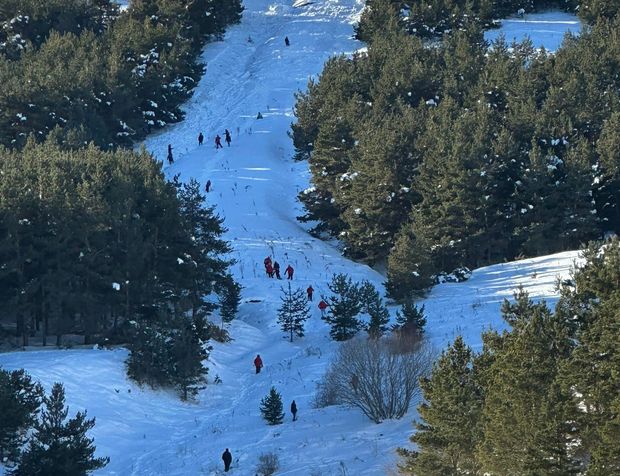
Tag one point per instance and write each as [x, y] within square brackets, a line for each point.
[269, 270]
[286, 42]
[170, 159]
[267, 261]
[294, 410]
[208, 186]
[218, 142]
[322, 307]
[200, 138]
[276, 269]
[227, 458]
[289, 272]
[310, 290]
[258, 363]
[227, 137]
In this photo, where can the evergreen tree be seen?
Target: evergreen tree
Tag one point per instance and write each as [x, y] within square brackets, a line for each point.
[271, 407]
[450, 428]
[58, 446]
[525, 416]
[372, 304]
[20, 399]
[344, 307]
[591, 376]
[410, 318]
[293, 312]
[229, 298]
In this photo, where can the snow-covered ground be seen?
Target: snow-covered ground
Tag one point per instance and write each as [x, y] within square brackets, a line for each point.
[544, 29]
[255, 183]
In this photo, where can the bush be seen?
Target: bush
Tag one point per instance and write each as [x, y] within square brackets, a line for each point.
[376, 376]
[268, 464]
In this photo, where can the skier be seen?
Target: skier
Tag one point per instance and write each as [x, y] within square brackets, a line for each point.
[218, 142]
[269, 270]
[276, 269]
[286, 42]
[227, 137]
[310, 290]
[322, 307]
[289, 272]
[294, 410]
[227, 458]
[200, 138]
[208, 186]
[259, 115]
[170, 159]
[258, 363]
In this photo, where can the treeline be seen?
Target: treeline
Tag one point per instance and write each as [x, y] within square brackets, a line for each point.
[433, 158]
[542, 398]
[97, 74]
[99, 243]
[435, 18]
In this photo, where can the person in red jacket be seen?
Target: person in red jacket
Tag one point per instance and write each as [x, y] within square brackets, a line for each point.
[310, 290]
[322, 307]
[258, 363]
[267, 261]
[289, 272]
[269, 270]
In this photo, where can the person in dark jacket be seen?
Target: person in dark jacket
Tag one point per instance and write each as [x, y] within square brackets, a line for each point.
[258, 363]
[170, 159]
[310, 290]
[286, 41]
[289, 272]
[218, 142]
[227, 137]
[227, 458]
[276, 269]
[208, 186]
[200, 138]
[294, 410]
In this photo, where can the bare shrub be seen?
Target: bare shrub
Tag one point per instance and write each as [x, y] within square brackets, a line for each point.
[378, 376]
[268, 464]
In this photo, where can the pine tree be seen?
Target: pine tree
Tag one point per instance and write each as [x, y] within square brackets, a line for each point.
[372, 304]
[591, 376]
[271, 407]
[187, 352]
[20, 399]
[229, 298]
[525, 417]
[450, 427]
[293, 312]
[58, 447]
[411, 318]
[344, 307]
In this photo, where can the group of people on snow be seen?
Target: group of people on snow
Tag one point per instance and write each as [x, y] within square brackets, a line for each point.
[218, 139]
[273, 268]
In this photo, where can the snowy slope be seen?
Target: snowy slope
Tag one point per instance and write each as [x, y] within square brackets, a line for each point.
[544, 29]
[254, 188]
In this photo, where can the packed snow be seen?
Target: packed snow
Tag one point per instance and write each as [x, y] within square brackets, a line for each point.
[254, 185]
[544, 29]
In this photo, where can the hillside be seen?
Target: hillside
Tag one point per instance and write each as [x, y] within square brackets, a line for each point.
[255, 184]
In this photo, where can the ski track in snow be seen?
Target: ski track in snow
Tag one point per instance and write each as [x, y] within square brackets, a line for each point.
[255, 184]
